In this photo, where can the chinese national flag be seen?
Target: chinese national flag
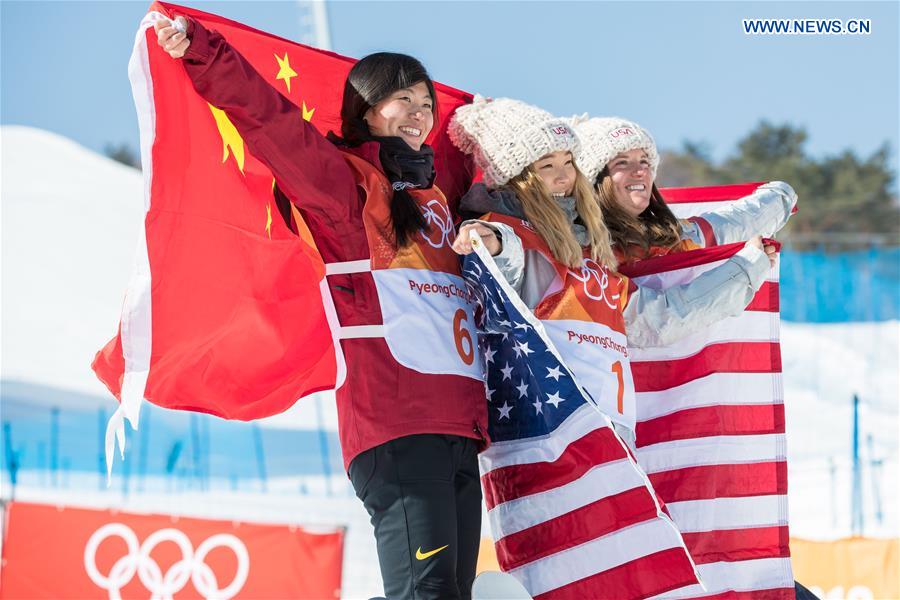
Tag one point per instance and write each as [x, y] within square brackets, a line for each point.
[225, 313]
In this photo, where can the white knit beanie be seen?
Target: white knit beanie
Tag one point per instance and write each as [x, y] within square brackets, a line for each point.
[602, 138]
[504, 136]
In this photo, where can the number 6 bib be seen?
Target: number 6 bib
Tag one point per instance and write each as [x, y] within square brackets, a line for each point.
[428, 321]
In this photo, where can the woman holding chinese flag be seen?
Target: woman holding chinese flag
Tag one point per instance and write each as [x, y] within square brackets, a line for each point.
[411, 410]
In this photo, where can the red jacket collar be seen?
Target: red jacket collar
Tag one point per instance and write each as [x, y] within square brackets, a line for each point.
[368, 151]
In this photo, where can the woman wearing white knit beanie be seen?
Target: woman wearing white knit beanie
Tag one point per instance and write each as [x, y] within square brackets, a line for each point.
[621, 160]
[530, 153]
[553, 247]
[549, 193]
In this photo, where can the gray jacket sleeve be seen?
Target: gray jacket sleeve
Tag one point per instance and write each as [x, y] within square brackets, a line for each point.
[764, 212]
[528, 272]
[659, 317]
[511, 260]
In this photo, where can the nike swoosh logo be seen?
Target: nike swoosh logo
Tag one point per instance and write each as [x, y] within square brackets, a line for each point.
[423, 555]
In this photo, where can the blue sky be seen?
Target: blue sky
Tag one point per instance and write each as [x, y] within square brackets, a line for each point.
[684, 70]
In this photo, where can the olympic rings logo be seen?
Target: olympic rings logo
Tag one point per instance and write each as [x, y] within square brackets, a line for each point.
[440, 223]
[592, 273]
[163, 586]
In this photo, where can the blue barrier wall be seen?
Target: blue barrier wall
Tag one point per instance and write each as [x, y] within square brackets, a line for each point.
[820, 287]
[191, 450]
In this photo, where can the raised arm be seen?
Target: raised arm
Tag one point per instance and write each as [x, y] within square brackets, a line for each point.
[764, 212]
[659, 317]
[309, 168]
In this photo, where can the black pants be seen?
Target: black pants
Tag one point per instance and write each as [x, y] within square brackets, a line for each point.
[424, 496]
[803, 593]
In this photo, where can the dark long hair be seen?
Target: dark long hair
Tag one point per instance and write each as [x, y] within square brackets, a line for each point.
[657, 226]
[370, 81]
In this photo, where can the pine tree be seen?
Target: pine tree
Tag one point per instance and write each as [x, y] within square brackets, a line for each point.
[841, 196]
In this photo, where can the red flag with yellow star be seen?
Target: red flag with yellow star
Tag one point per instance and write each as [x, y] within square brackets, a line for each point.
[227, 312]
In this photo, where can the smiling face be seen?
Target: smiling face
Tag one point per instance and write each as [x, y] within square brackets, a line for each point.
[406, 113]
[632, 181]
[557, 171]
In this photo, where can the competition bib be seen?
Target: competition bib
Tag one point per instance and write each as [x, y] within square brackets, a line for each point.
[582, 315]
[428, 321]
[598, 356]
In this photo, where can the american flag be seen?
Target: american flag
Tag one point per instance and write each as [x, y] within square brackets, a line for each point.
[571, 513]
[711, 429]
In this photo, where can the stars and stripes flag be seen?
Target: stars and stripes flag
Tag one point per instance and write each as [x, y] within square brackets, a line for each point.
[711, 428]
[227, 312]
[571, 512]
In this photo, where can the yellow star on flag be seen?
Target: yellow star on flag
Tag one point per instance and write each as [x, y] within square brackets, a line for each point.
[231, 139]
[307, 113]
[269, 220]
[285, 71]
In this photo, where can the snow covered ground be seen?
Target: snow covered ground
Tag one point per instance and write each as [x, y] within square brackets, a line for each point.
[824, 366]
[70, 219]
[70, 223]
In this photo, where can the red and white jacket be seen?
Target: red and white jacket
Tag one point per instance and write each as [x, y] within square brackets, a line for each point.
[397, 383]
